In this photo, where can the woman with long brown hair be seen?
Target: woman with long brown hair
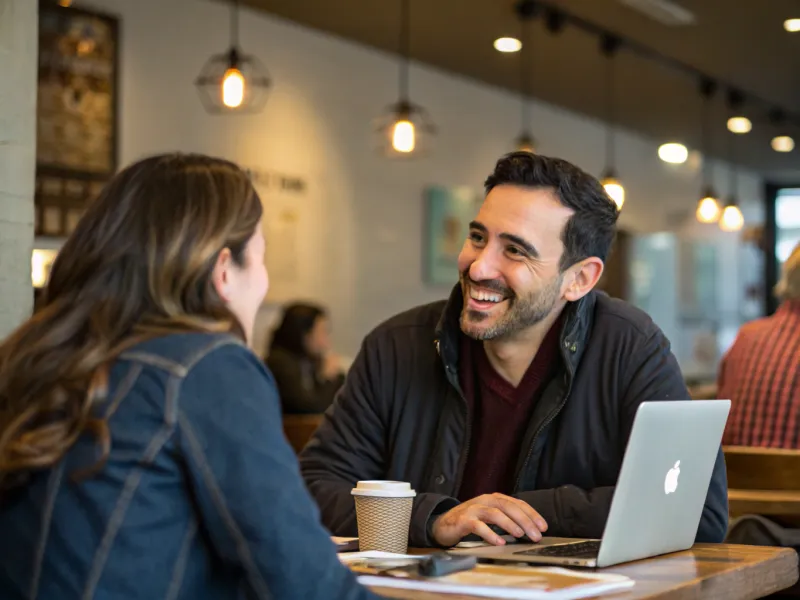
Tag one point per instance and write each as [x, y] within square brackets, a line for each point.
[141, 449]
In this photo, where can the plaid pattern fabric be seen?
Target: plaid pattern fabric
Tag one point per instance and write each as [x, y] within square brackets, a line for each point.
[760, 374]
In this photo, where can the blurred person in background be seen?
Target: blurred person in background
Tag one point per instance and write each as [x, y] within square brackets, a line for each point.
[141, 449]
[760, 373]
[308, 374]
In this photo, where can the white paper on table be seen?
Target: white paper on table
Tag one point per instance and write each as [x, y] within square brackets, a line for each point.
[468, 582]
[353, 556]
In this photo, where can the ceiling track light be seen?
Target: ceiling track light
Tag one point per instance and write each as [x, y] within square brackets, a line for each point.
[674, 153]
[556, 18]
[507, 45]
[792, 25]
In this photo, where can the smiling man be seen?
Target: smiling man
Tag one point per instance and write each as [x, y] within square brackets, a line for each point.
[510, 404]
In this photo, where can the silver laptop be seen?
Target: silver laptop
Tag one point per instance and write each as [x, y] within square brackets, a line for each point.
[659, 496]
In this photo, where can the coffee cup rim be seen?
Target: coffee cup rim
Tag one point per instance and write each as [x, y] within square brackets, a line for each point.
[383, 489]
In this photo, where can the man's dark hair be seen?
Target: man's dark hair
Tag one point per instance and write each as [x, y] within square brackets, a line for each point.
[588, 232]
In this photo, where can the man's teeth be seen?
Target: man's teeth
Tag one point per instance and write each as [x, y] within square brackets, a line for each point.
[482, 296]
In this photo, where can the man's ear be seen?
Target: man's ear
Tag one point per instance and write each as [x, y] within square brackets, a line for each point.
[583, 277]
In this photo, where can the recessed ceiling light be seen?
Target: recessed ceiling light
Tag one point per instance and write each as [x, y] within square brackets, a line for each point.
[791, 25]
[673, 152]
[507, 44]
[782, 143]
[739, 125]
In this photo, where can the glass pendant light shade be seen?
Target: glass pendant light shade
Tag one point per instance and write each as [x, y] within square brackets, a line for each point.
[708, 209]
[613, 187]
[732, 218]
[233, 82]
[405, 130]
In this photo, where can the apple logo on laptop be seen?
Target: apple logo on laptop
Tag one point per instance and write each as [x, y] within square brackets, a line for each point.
[671, 482]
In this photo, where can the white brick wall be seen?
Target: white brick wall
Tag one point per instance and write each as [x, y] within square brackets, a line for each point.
[361, 249]
[18, 53]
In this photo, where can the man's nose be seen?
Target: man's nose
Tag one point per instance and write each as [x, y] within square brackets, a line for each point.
[484, 267]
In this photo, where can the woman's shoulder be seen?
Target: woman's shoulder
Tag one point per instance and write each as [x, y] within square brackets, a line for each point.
[182, 353]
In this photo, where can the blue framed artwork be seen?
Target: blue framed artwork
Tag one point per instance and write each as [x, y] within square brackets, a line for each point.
[449, 212]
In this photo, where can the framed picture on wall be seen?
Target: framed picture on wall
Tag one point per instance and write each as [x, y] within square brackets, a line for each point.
[449, 211]
[77, 113]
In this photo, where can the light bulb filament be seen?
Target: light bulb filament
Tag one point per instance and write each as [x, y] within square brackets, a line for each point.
[615, 191]
[732, 219]
[233, 88]
[403, 136]
[708, 210]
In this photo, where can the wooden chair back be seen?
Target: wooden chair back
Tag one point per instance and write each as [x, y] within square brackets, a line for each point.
[299, 429]
[763, 481]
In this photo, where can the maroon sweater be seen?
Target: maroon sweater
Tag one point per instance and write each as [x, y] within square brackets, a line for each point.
[500, 414]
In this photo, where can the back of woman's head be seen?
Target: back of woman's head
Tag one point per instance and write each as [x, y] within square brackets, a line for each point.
[139, 265]
[297, 322]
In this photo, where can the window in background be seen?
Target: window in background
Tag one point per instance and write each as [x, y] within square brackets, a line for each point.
[787, 223]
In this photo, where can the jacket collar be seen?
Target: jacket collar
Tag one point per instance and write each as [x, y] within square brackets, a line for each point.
[573, 337]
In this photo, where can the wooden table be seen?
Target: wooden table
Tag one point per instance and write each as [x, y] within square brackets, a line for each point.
[705, 571]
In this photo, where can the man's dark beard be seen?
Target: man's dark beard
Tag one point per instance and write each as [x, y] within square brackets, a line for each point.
[521, 314]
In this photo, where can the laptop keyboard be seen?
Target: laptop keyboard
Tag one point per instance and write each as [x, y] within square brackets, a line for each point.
[577, 550]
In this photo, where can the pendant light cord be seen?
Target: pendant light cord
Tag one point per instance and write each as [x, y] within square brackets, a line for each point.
[235, 24]
[707, 89]
[733, 174]
[404, 45]
[610, 158]
[524, 73]
[609, 48]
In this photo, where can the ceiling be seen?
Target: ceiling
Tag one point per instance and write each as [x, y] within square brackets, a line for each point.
[740, 43]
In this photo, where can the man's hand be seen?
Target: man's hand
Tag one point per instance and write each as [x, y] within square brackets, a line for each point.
[514, 516]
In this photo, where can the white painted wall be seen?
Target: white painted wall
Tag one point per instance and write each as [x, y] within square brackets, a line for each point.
[363, 252]
[18, 19]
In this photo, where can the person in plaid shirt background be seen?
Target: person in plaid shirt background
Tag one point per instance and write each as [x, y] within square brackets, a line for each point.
[760, 373]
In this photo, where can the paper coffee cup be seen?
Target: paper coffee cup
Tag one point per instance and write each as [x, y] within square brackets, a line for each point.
[383, 512]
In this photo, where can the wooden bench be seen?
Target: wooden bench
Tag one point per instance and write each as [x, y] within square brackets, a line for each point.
[764, 481]
[299, 429]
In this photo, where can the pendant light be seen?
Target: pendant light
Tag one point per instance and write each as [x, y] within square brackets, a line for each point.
[781, 142]
[738, 123]
[609, 46]
[233, 82]
[732, 218]
[708, 209]
[407, 129]
[526, 11]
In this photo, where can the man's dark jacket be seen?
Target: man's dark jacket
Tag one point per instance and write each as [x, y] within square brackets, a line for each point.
[402, 416]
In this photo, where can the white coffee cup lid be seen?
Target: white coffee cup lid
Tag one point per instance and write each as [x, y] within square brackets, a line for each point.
[384, 489]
